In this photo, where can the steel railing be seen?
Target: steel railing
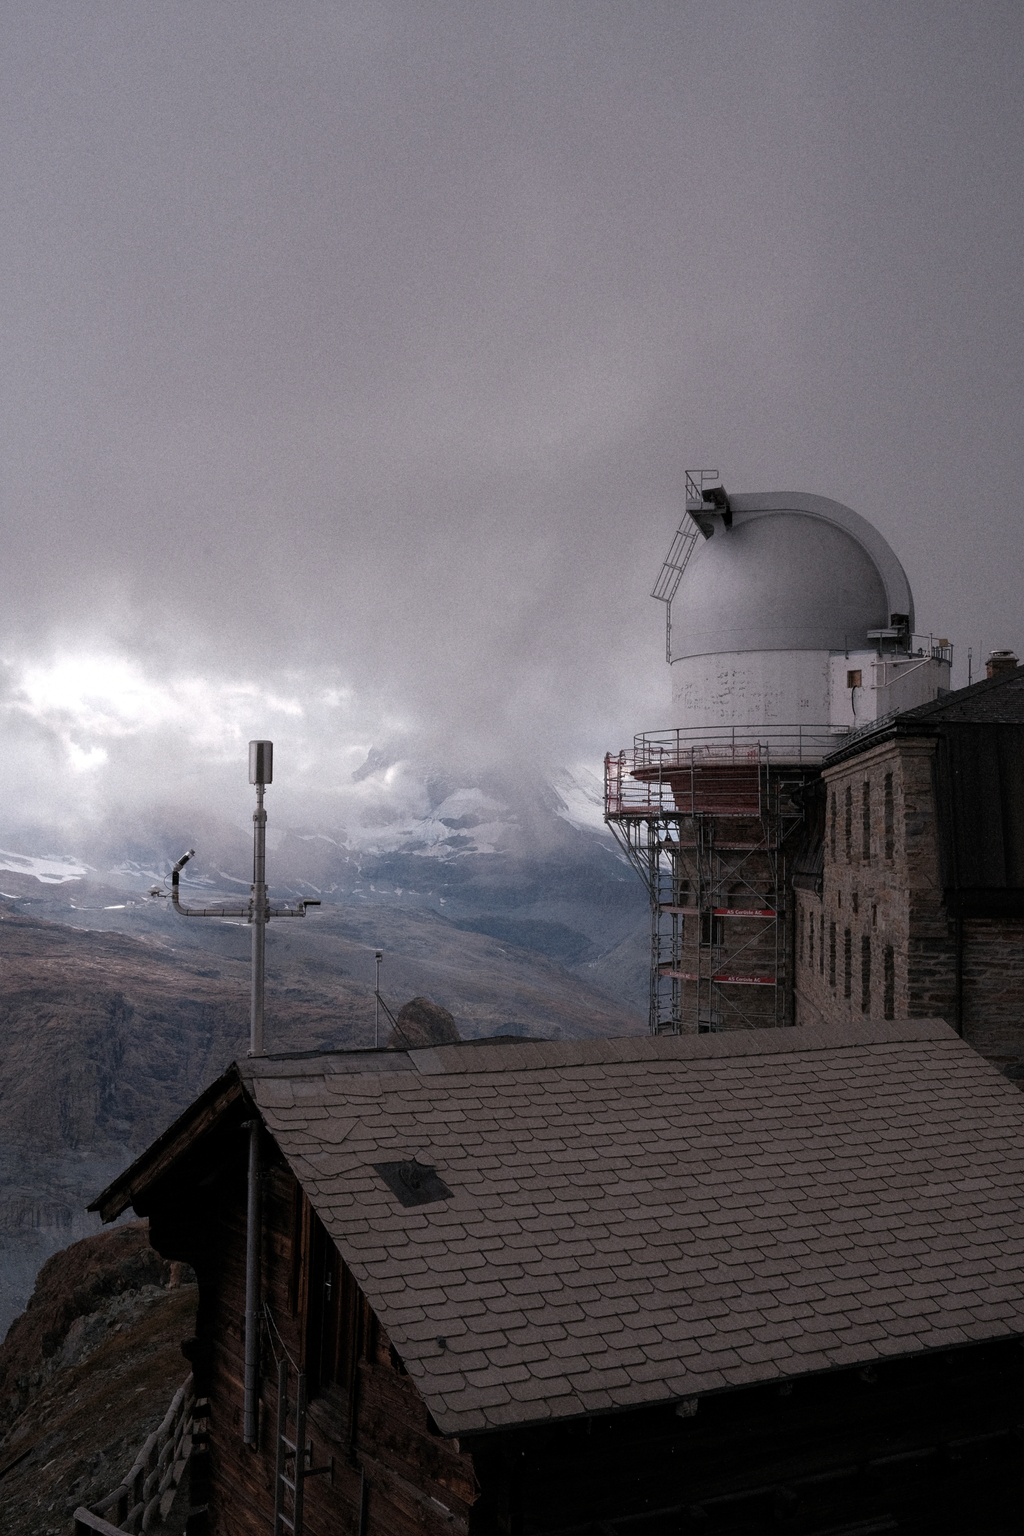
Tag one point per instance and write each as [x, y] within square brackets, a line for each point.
[662, 771]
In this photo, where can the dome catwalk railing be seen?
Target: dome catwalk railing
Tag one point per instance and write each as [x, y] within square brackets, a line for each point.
[665, 770]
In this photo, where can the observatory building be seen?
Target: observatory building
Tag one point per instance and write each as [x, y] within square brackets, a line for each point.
[789, 626]
[792, 611]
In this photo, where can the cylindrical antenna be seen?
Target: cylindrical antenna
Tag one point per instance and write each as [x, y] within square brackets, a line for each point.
[378, 957]
[261, 762]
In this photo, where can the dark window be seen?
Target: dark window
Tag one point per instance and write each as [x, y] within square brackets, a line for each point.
[865, 974]
[802, 933]
[832, 825]
[711, 929]
[334, 1314]
[810, 939]
[298, 1241]
[889, 817]
[821, 947]
[831, 954]
[853, 678]
[865, 821]
[847, 963]
[889, 981]
[848, 827]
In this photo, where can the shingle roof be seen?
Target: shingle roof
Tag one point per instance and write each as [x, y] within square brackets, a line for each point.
[995, 700]
[639, 1220]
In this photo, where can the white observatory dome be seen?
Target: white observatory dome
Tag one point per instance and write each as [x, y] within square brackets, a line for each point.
[784, 583]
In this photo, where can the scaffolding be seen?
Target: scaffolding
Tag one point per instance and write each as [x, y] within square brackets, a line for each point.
[712, 827]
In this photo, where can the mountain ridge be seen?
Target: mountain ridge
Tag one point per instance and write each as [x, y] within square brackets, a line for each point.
[502, 900]
[106, 1036]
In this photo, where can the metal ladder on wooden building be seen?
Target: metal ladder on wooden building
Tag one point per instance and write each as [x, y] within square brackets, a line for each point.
[289, 1481]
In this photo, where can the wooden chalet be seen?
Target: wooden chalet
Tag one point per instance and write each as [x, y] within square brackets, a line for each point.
[760, 1281]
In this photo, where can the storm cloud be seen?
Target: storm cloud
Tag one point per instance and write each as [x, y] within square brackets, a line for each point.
[354, 354]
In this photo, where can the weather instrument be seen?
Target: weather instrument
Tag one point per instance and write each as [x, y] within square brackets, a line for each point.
[257, 910]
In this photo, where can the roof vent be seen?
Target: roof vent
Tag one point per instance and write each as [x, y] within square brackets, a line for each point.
[413, 1182]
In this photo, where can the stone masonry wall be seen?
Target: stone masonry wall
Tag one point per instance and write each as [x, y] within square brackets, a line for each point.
[994, 991]
[883, 945]
[882, 897]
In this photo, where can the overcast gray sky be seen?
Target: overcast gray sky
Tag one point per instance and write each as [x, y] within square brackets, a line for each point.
[353, 354]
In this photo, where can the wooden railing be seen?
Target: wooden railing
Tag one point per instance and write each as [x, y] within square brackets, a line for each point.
[141, 1502]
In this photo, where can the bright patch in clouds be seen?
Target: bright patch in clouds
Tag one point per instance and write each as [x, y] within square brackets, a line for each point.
[82, 760]
[111, 696]
[92, 733]
[108, 694]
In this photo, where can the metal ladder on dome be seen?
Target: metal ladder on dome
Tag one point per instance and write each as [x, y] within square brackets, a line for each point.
[682, 547]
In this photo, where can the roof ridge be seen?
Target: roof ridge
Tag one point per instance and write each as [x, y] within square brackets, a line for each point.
[958, 697]
[438, 1060]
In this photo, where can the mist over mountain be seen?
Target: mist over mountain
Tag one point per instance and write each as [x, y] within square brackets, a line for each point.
[354, 358]
[356, 355]
[514, 911]
[526, 861]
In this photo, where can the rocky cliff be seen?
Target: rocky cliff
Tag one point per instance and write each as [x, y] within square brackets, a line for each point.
[86, 1372]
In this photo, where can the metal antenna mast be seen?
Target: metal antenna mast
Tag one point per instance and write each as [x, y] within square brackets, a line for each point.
[257, 910]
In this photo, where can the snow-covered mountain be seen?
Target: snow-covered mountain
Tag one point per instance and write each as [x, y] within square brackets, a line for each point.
[526, 861]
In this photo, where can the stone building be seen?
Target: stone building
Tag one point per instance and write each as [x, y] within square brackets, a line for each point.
[910, 895]
[789, 624]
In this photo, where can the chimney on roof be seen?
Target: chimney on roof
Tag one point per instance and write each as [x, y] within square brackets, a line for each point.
[1000, 662]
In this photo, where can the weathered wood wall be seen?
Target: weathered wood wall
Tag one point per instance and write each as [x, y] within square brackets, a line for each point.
[373, 1423]
[930, 1444]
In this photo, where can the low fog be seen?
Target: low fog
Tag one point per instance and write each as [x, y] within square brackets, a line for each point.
[354, 355]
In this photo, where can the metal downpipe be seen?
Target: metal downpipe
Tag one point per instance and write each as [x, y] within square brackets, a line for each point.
[250, 1425]
[958, 978]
